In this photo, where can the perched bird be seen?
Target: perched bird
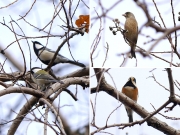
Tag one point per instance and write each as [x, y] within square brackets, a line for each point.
[42, 78]
[131, 34]
[130, 89]
[45, 55]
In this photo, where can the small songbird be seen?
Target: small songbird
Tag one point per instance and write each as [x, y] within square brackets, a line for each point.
[131, 31]
[45, 55]
[130, 89]
[42, 78]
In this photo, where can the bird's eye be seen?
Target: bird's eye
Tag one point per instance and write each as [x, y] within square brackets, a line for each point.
[134, 80]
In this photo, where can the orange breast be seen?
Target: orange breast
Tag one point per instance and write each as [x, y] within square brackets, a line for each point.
[130, 92]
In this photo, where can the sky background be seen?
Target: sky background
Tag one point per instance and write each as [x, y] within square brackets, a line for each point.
[77, 113]
[149, 93]
[117, 44]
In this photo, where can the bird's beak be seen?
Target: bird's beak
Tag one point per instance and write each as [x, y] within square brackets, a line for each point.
[124, 15]
[32, 41]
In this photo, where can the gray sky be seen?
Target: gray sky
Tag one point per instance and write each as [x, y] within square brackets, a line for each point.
[149, 93]
[41, 13]
[117, 44]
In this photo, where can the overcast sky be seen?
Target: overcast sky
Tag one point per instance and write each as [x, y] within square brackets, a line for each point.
[149, 90]
[77, 112]
[117, 44]
[149, 93]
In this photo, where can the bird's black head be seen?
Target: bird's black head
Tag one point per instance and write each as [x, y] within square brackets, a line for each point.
[131, 82]
[132, 79]
[37, 46]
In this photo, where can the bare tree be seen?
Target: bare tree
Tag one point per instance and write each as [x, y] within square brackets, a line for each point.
[63, 108]
[158, 34]
[149, 117]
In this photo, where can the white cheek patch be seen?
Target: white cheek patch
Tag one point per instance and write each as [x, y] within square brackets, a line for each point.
[46, 55]
[38, 46]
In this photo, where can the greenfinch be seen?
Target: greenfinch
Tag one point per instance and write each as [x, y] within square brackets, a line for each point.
[131, 31]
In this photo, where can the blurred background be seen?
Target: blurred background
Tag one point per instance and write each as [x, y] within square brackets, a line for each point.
[104, 12]
[150, 94]
[36, 20]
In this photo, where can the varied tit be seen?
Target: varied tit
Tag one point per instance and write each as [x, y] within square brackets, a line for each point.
[42, 78]
[131, 34]
[45, 55]
[130, 90]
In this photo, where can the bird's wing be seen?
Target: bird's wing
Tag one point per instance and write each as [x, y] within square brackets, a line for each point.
[43, 76]
[58, 54]
[49, 50]
[137, 35]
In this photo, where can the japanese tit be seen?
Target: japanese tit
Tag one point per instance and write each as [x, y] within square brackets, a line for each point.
[131, 34]
[42, 78]
[45, 55]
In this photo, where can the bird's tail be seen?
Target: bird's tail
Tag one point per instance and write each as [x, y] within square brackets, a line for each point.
[133, 53]
[130, 113]
[130, 118]
[76, 63]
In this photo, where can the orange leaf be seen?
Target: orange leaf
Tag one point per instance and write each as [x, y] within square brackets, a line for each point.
[83, 21]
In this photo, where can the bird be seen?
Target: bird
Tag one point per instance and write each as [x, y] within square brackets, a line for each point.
[130, 90]
[131, 31]
[45, 55]
[42, 78]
